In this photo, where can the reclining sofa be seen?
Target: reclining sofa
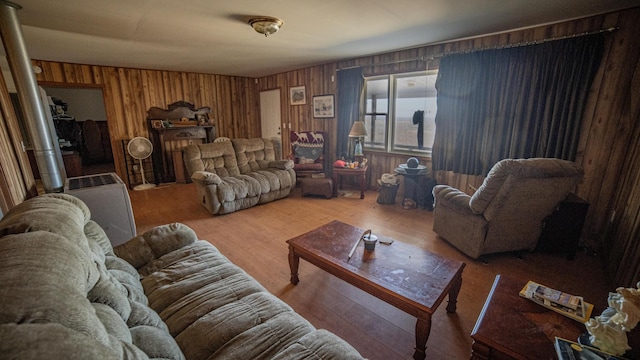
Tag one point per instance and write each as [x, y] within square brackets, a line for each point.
[67, 294]
[239, 173]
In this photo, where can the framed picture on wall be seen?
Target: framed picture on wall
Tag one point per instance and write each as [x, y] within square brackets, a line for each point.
[323, 106]
[297, 95]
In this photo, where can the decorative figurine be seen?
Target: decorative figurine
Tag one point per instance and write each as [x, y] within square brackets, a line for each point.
[608, 331]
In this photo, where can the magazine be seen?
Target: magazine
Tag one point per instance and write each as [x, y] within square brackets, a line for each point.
[569, 305]
[569, 350]
[557, 296]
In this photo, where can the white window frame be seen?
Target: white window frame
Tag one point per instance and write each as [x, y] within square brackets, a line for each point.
[389, 141]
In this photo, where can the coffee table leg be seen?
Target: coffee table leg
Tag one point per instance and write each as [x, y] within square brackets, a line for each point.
[453, 295]
[423, 328]
[294, 262]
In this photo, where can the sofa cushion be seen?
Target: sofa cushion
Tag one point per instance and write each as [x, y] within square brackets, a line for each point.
[319, 344]
[115, 263]
[214, 309]
[269, 181]
[44, 280]
[223, 332]
[254, 154]
[179, 275]
[218, 158]
[238, 187]
[112, 322]
[156, 343]
[154, 243]
[95, 233]
[54, 213]
[111, 292]
[141, 314]
[56, 342]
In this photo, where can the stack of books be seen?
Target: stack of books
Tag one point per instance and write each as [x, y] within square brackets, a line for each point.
[568, 305]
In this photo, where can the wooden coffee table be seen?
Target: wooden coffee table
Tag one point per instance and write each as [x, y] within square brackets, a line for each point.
[409, 278]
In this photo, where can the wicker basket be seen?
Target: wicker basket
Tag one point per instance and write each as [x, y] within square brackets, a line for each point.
[387, 193]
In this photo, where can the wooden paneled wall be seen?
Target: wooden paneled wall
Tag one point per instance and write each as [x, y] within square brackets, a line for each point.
[129, 93]
[605, 147]
[317, 80]
[16, 179]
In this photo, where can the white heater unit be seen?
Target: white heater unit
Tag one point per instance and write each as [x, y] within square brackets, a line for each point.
[108, 200]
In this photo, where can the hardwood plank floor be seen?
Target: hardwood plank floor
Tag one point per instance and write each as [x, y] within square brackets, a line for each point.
[255, 239]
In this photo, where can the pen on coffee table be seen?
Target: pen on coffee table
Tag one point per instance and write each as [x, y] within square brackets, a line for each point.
[354, 248]
[356, 244]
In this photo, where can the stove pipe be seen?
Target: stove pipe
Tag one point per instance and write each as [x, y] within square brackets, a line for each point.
[43, 141]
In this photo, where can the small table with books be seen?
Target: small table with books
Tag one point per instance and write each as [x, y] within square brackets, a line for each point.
[360, 173]
[512, 327]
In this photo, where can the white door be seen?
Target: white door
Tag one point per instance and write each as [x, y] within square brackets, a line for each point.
[270, 116]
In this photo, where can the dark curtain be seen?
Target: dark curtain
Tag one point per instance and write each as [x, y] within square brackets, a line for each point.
[521, 102]
[350, 90]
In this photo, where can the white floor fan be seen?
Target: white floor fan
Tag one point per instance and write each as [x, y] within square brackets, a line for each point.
[141, 148]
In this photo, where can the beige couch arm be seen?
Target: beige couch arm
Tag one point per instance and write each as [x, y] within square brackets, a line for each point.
[206, 178]
[452, 197]
[154, 243]
[454, 221]
[285, 164]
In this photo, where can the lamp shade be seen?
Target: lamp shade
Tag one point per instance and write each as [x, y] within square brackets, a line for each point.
[358, 129]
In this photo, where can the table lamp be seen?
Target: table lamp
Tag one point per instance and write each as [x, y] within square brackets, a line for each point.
[358, 131]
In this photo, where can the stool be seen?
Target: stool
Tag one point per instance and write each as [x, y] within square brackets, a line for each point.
[317, 186]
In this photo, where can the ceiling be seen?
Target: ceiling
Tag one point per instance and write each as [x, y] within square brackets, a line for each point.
[213, 36]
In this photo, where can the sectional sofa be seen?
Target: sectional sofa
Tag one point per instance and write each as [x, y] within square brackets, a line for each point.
[65, 293]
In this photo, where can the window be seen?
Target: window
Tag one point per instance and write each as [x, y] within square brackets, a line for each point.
[391, 102]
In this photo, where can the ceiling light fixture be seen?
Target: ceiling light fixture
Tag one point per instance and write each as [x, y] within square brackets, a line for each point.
[266, 25]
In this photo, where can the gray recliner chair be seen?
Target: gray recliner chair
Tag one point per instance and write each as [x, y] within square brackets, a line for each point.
[507, 211]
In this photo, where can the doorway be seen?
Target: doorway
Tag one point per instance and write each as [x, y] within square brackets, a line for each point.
[270, 115]
[80, 120]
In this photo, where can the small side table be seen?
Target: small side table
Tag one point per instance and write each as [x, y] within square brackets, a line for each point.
[411, 185]
[360, 173]
[561, 231]
[512, 327]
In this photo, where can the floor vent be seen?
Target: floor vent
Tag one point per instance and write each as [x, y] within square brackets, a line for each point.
[91, 181]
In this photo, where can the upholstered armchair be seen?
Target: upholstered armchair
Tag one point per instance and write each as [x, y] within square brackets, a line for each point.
[307, 152]
[507, 211]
